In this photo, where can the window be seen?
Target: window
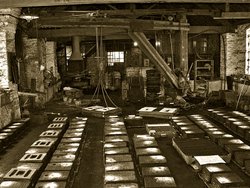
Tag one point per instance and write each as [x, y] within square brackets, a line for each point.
[115, 57]
[247, 63]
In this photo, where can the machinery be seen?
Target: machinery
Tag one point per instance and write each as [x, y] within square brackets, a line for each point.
[176, 80]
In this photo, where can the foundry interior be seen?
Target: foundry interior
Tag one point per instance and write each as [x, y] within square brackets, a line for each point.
[124, 94]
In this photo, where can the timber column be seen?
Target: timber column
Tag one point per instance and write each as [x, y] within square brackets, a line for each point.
[182, 46]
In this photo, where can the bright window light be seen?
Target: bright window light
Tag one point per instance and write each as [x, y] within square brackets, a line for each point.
[115, 57]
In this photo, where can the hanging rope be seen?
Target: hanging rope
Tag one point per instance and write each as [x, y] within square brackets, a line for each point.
[97, 54]
[172, 51]
[103, 94]
[101, 67]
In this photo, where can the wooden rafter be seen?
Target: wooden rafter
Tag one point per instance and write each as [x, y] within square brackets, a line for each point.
[114, 23]
[128, 12]
[234, 15]
[114, 33]
[68, 32]
[36, 3]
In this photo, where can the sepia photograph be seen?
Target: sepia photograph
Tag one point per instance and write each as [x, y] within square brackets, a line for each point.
[124, 94]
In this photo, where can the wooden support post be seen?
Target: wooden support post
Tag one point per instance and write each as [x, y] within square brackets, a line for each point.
[227, 7]
[182, 48]
[27, 94]
[155, 57]
[184, 51]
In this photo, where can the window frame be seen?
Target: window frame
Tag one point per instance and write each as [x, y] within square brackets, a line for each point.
[113, 57]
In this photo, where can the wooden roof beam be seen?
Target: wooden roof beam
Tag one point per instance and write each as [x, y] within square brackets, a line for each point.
[69, 32]
[234, 15]
[37, 3]
[115, 33]
[127, 12]
[141, 25]
[210, 29]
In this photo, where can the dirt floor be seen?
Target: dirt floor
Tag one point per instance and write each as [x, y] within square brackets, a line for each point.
[91, 169]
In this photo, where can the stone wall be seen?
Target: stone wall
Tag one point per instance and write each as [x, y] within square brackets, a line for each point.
[33, 53]
[35, 58]
[51, 60]
[91, 66]
[39, 57]
[4, 83]
[235, 46]
[8, 23]
[51, 64]
[235, 54]
[11, 108]
[233, 58]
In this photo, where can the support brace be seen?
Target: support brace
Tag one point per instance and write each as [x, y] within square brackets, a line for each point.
[155, 57]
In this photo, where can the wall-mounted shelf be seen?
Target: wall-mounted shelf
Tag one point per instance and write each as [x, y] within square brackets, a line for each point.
[203, 71]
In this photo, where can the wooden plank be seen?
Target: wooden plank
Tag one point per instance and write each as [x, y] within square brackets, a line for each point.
[111, 23]
[29, 3]
[28, 94]
[117, 37]
[210, 29]
[132, 13]
[235, 15]
[183, 51]
[154, 56]
[68, 32]
[142, 12]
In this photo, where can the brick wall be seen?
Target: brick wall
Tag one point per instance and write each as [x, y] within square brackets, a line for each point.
[7, 41]
[8, 25]
[11, 109]
[235, 46]
[33, 58]
[39, 54]
[235, 54]
[3, 61]
[51, 60]
[91, 66]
